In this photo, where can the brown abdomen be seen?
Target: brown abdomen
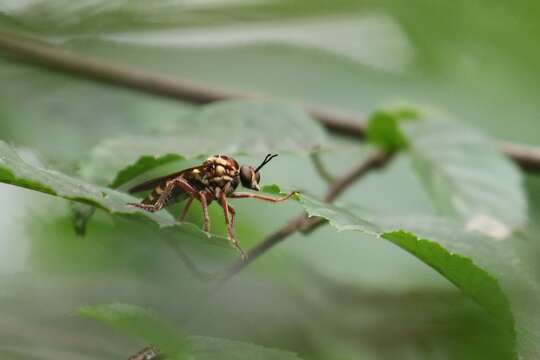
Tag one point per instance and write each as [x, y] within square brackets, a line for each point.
[177, 194]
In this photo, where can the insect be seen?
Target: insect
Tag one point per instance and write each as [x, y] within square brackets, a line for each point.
[216, 179]
[149, 353]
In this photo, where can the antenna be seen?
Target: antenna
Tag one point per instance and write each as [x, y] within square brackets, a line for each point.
[265, 161]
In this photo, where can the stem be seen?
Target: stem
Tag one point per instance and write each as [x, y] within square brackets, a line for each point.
[321, 169]
[37, 53]
[302, 222]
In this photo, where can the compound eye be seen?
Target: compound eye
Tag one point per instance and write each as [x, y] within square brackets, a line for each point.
[245, 176]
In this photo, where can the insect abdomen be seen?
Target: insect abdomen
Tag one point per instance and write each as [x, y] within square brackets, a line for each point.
[174, 196]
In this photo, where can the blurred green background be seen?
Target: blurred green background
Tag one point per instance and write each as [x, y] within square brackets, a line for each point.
[327, 296]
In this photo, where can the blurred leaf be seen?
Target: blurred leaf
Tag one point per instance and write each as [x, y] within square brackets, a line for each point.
[64, 118]
[142, 323]
[383, 128]
[461, 260]
[60, 16]
[207, 348]
[230, 127]
[463, 171]
[467, 176]
[271, 189]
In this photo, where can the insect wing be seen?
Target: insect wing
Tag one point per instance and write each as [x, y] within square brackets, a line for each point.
[152, 183]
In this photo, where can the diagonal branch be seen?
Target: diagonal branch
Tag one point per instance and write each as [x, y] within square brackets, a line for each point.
[376, 160]
[37, 53]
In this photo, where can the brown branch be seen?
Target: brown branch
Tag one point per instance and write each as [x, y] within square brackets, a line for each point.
[375, 161]
[525, 156]
[33, 52]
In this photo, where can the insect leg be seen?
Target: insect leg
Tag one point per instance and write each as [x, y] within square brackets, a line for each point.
[261, 197]
[232, 211]
[204, 205]
[147, 207]
[186, 208]
[228, 221]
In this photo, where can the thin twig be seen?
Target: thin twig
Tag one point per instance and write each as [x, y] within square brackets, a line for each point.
[321, 169]
[31, 51]
[376, 160]
[189, 263]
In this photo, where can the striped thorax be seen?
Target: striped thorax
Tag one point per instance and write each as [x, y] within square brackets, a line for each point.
[220, 173]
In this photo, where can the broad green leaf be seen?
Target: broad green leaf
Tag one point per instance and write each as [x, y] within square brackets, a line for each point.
[118, 15]
[230, 127]
[143, 323]
[470, 262]
[16, 171]
[488, 271]
[467, 176]
[64, 117]
[380, 42]
[207, 348]
[463, 171]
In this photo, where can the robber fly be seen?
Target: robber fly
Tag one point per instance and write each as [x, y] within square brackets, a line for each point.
[216, 179]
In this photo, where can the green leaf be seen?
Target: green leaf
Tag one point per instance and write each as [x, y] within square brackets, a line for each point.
[467, 176]
[207, 348]
[463, 170]
[271, 189]
[141, 323]
[16, 171]
[458, 269]
[230, 127]
[96, 17]
[144, 164]
[383, 128]
[471, 262]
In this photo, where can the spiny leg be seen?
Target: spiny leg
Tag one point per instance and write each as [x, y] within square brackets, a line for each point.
[204, 205]
[261, 197]
[228, 221]
[186, 209]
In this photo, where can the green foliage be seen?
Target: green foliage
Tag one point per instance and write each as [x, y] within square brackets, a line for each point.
[143, 323]
[384, 128]
[144, 164]
[462, 169]
[372, 53]
[446, 256]
[230, 127]
[466, 175]
[14, 170]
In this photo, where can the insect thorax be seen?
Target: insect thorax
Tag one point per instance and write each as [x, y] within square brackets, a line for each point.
[220, 172]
